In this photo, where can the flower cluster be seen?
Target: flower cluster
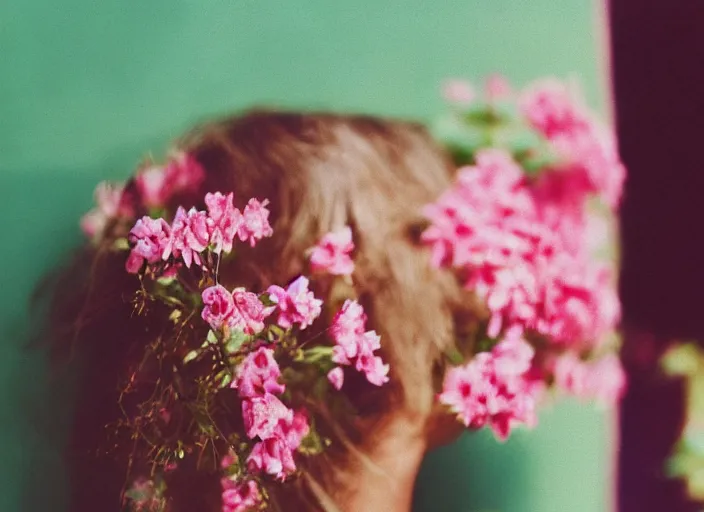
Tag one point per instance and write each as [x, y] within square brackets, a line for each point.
[353, 343]
[277, 428]
[157, 185]
[523, 226]
[150, 190]
[491, 389]
[194, 231]
[232, 373]
[247, 351]
[332, 254]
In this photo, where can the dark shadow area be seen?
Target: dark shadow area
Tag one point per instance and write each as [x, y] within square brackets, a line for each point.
[39, 398]
[658, 49]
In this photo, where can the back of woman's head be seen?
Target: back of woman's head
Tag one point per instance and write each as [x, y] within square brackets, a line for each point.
[320, 172]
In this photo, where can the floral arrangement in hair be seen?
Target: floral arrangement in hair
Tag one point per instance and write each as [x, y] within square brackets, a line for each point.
[529, 227]
[241, 361]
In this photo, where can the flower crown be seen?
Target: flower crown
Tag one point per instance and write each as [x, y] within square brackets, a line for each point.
[522, 227]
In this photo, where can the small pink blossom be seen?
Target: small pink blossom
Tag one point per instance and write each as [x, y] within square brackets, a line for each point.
[223, 221]
[346, 329]
[549, 107]
[107, 199]
[603, 380]
[373, 368]
[296, 304]
[228, 460]
[189, 236]
[336, 377]
[240, 496]
[148, 238]
[293, 430]
[354, 345]
[249, 312]
[258, 374]
[219, 306]
[255, 222]
[184, 173]
[458, 92]
[272, 456]
[332, 254]
[590, 152]
[157, 185]
[492, 388]
[496, 88]
[262, 416]
[152, 186]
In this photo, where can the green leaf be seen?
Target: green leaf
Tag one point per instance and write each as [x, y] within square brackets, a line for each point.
[193, 354]
[235, 342]
[312, 444]
[265, 298]
[682, 360]
[121, 244]
[317, 353]
[454, 356]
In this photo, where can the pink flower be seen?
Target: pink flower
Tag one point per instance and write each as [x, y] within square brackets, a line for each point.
[153, 188]
[496, 88]
[513, 355]
[240, 496]
[272, 456]
[603, 380]
[470, 222]
[523, 248]
[228, 460]
[373, 368]
[580, 303]
[492, 389]
[590, 153]
[608, 380]
[219, 306]
[223, 221]
[255, 222]
[262, 416]
[548, 106]
[459, 92]
[332, 254]
[107, 200]
[296, 304]
[157, 185]
[293, 430]
[346, 329]
[353, 343]
[149, 238]
[249, 312]
[189, 236]
[258, 374]
[336, 377]
[184, 173]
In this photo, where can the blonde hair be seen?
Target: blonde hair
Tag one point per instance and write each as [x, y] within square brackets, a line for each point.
[320, 172]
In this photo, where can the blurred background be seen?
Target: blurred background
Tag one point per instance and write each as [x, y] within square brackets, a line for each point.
[88, 88]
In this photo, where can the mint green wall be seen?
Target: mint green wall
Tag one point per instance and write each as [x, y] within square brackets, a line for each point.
[87, 87]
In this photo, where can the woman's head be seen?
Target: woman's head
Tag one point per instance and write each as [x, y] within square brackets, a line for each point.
[320, 172]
